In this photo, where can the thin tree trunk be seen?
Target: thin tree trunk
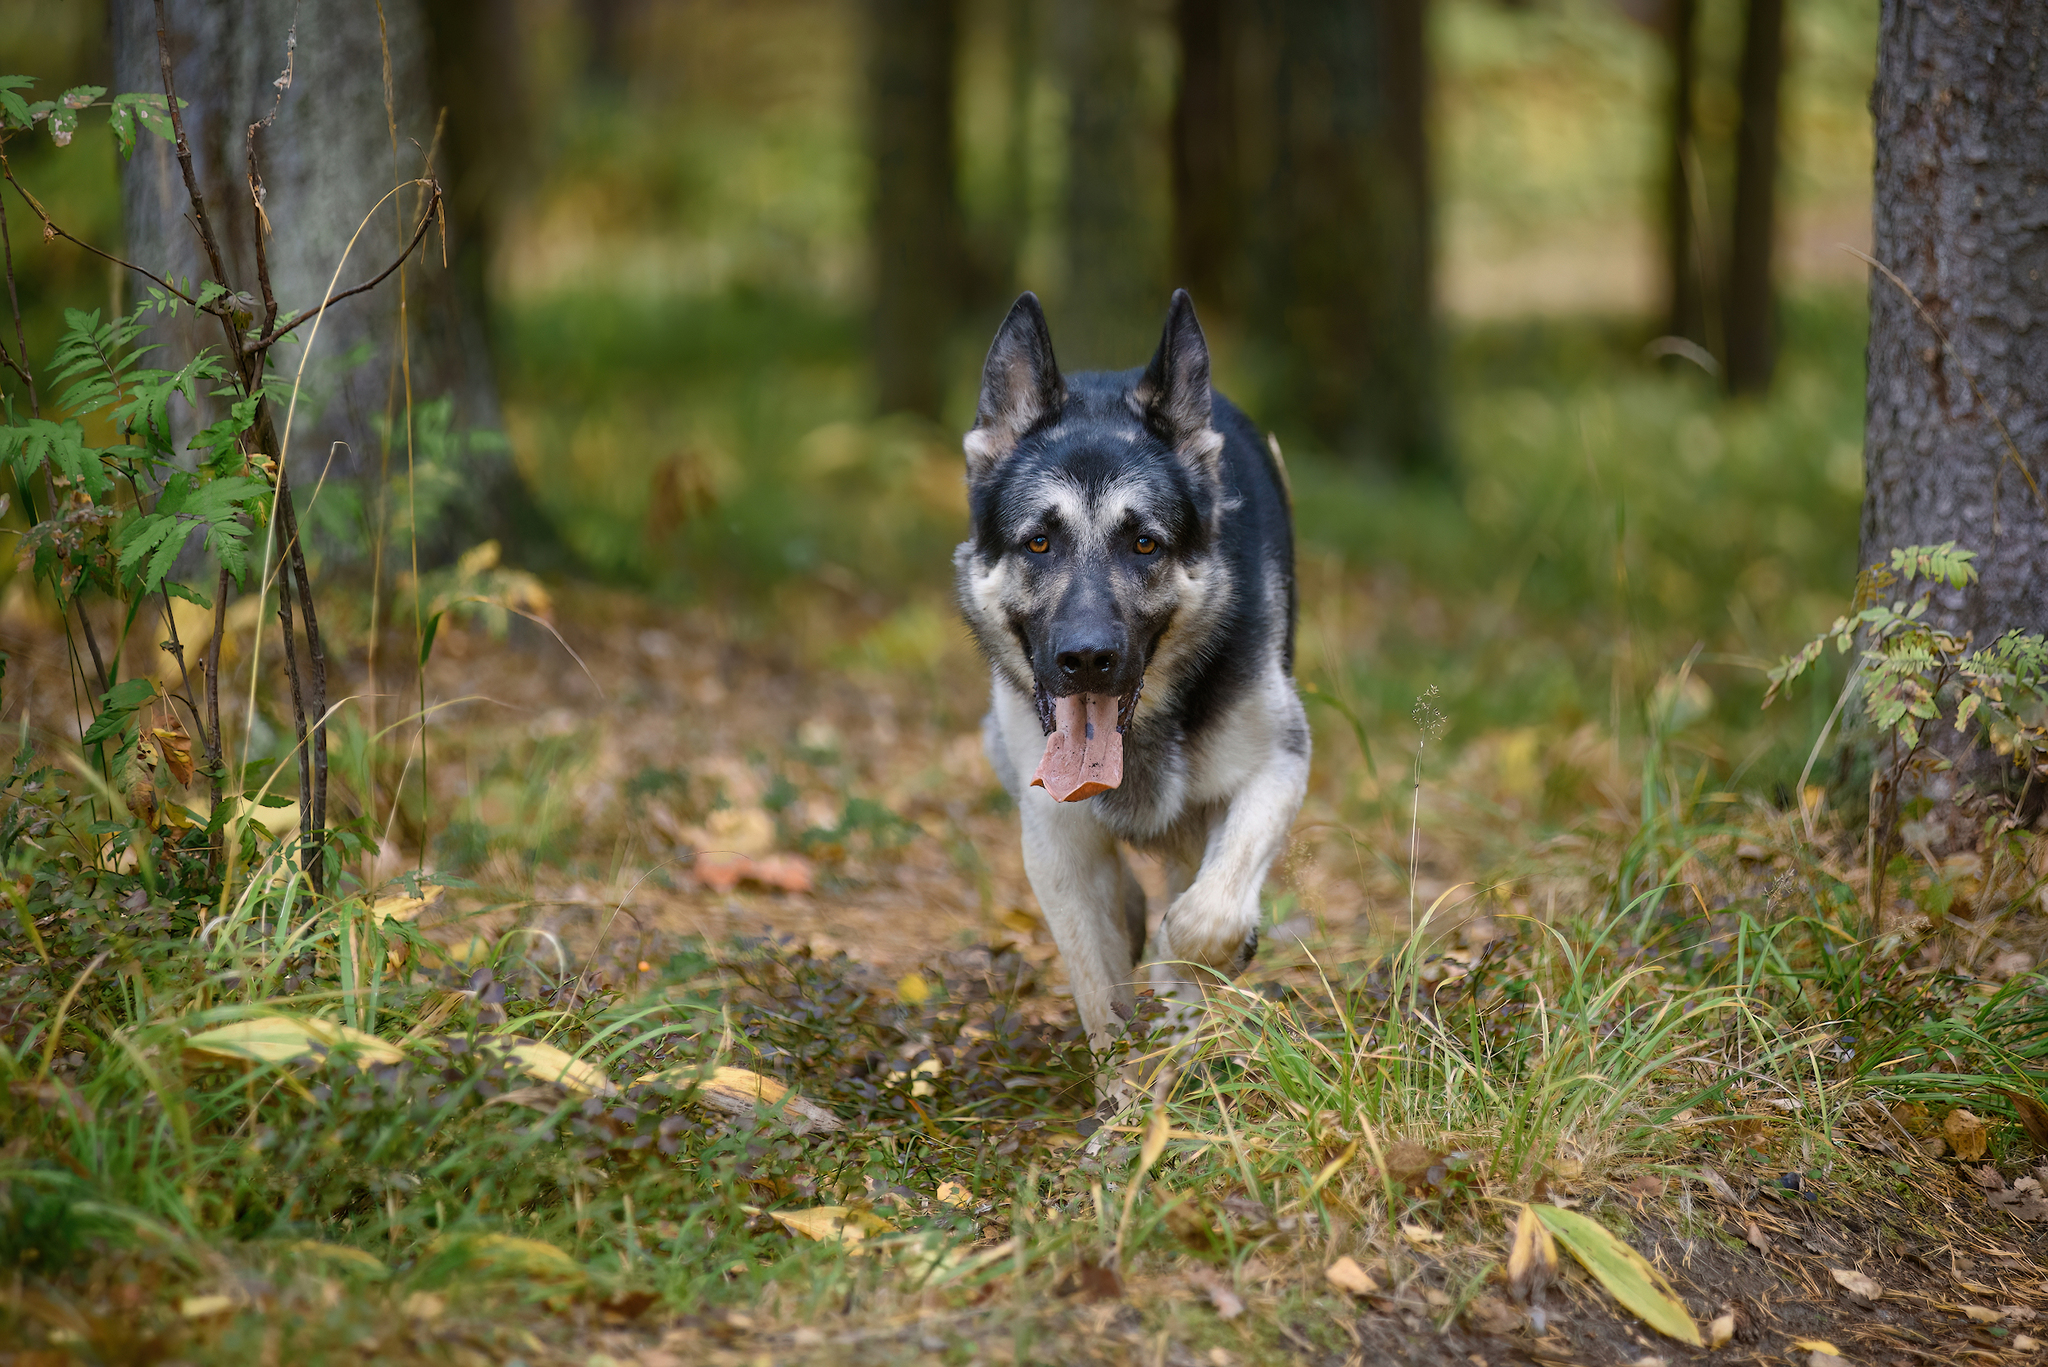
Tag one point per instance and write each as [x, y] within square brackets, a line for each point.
[1114, 295]
[1208, 235]
[1749, 301]
[916, 231]
[1343, 313]
[1685, 292]
[333, 151]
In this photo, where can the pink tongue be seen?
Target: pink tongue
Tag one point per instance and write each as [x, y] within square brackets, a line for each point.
[1084, 755]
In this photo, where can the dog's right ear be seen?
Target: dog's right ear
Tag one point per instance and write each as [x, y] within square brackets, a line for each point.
[1020, 387]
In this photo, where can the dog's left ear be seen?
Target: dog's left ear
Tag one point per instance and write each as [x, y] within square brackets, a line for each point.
[1173, 394]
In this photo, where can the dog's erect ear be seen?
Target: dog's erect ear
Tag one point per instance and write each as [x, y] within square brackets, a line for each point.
[1173, 394]
[1020, 386]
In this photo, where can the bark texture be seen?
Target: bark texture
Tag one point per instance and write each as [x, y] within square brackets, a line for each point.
[1114, 294]
[1749, 303]
[916, 231]
[328, 157]
[1955, 434]
[1342, 305]
[1685, 259]
[1208, 228]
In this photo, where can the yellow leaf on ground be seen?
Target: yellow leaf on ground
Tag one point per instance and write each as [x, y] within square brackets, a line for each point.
[832, 1224]
[1966, 1135]
[954, 1194]
[283, 1039]
[1532, 1257]
[1346, 1275]
[1856, 1284]
[1421, 1235]
[405, 908]
[550, 1064]
[1979, 1315]
[744, 1092]
[1640, 1288]
[1816, 1346]
[199, 1307]
[913, 990]
[511, 1254]
[355, 1259]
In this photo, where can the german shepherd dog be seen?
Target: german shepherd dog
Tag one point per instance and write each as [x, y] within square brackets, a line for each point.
[1130, 579]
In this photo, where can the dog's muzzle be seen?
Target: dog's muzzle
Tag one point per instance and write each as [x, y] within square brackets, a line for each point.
[1084, 745]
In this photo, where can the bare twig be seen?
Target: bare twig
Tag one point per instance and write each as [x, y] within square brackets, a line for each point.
[51, 229]
[315, 818]
[270, 337]
[20, 367]
[215, 749]
[256, 191]
[291, 665]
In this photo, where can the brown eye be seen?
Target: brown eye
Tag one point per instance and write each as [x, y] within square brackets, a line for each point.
[1146, 545]
[1039, 545]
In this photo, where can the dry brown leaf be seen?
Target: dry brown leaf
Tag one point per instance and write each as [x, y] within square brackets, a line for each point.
[1720, 1329]
[1965, 1134]
[2026, 1344]
[1421, 1235]
[1718, 1184]
[1861, 1289]
[1532, 1259]
[2033, 1115]
[1091, 1281]
[1756, 1239]
[1492, 1315]
[1346, 1275]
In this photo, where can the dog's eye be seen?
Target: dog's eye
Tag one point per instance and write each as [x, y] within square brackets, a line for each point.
[1145, 545]
[1039, 545]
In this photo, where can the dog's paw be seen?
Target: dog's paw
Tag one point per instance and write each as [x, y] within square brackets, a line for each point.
[1217, 932]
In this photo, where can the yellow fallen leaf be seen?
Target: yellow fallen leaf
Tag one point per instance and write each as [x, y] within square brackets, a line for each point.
[550, 1064]
[744, 1092]
[1421, 1235]
[1816, 1346]
[1532, 1257]
[913, 990]
[355, 1259]
[511, 1254]
[283, 1039]
[1856, 1284]
[1346, 1275]
[954, 1194]
[2025, 1343]
[921, 1076]
[1154, 1142]
[405, 908]
[199, 1307]
[832, 1224]
[1979, 1315]
[1720, 1330]
[1966, 1135]
[1640, 1288]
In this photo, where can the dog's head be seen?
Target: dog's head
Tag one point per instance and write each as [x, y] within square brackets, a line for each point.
[1094, 501]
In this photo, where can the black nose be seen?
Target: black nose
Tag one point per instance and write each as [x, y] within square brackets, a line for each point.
[1085, 665]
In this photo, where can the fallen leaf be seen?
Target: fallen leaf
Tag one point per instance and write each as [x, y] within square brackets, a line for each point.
[1532, 1259]
[1640, 1288]
[1977, 1314]
[743, 1092]
[832, 1224]
[423, 1305]
[1820, 1359]
[2033, 1115]
[1755, 1238]
[1421, 1235]
[284, 1039]
[199, 1307]
[953, 1194]
[1720, 1329]
[1987, 1177]
[1092, 1281]
[913, 990]
[1861, 1289]
[547, 1063]
[511, 1255]
[1965, 1134]
[1154, 1142]
[1492, 1315]
[1648, 1185]
[1346, 1275]
[1650, 1360]
[1816, 1346]
[1409, 1161]
[1718, 1184]
[404, 908]
[2016, 1314]
[1223, 1297]
[2026, 1344]
[353, 1258]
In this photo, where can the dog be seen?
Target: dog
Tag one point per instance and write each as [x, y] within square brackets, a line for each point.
[1130, 579]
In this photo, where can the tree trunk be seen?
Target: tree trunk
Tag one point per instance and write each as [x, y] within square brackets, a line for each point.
[916, 233]
[1114, 294]
[1685, 253]
[332, 152]
[1749, 302]
[1343, 311]
[1955, 432]
[1208, 233]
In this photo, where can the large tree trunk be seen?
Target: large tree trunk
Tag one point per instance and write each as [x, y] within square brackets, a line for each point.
[1955, 434]
[332, 152]
[1208, 233]
[1749, 301]
[1114, 295]
[1342, 307]
[916, 232]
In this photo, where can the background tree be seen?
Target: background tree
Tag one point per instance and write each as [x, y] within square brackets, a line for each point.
[1686, 249]
[1958, 381]
[1208, 229]
[916, 233]
[337, 144]
[1114, 296]
[1342, 297]
[1749, 301]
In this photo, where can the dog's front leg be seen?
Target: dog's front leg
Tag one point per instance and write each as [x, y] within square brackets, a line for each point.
[1214, 923]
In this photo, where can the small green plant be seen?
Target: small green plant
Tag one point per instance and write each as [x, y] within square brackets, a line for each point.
[1910, 672]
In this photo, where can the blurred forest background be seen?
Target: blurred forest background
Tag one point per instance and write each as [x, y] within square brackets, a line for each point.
[1548, 301]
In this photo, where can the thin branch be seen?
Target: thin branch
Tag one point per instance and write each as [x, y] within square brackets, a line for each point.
[14, 301]
[199, 214]
[256, 191]
[50, 229]
[306, 315]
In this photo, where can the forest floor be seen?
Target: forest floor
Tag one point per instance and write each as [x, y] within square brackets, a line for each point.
[792, 834]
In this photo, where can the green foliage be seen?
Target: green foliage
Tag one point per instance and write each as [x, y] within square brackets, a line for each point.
[60, 115]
